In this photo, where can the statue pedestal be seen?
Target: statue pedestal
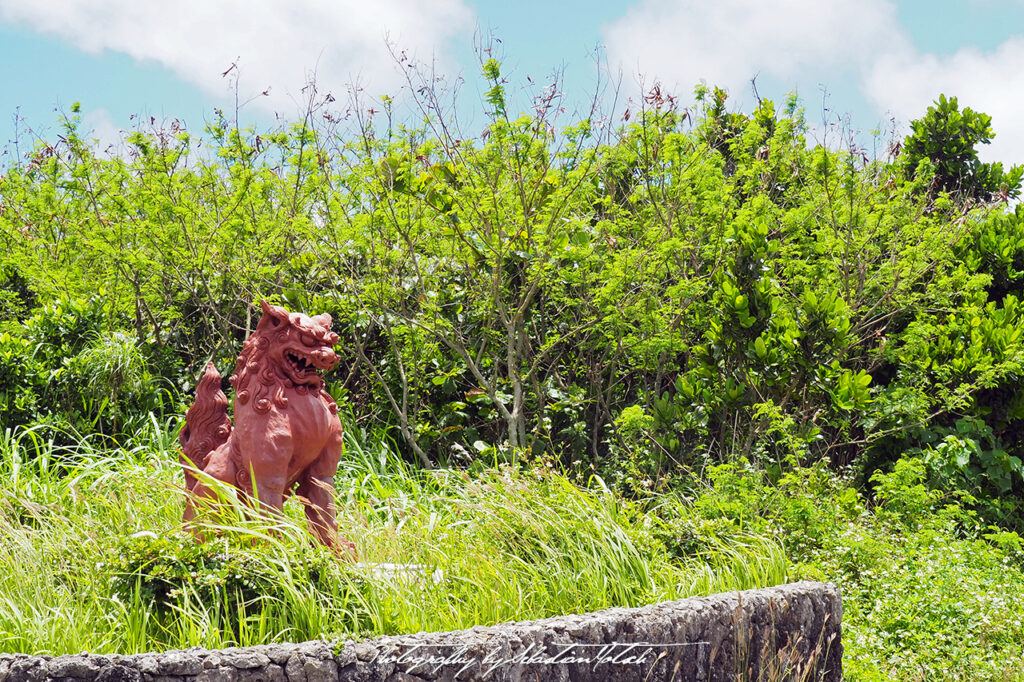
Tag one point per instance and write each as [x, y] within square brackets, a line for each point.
[401, 572]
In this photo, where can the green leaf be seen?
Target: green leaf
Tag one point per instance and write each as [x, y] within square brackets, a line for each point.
[760, 348]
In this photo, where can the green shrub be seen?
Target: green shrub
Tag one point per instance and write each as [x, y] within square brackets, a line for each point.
[166, 570]
[929, 591]
[943, 147]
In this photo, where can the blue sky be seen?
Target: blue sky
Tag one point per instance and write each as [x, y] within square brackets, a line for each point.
[877, 60]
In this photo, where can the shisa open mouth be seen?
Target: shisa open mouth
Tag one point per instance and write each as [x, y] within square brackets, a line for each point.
[303, 367]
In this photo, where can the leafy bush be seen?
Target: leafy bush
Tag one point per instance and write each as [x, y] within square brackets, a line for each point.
[241, 580]
[943, 147]
[929, 589]
[16, 297]
[64, 368]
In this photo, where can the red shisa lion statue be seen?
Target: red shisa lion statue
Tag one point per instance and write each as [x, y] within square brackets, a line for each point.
[286, 437]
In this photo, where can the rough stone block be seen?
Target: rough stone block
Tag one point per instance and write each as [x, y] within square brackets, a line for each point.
[785, 632]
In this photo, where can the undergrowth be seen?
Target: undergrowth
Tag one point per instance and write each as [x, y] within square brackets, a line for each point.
[929, 591]
[94, 559]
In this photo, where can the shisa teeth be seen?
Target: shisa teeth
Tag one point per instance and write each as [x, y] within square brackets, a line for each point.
[302, 365]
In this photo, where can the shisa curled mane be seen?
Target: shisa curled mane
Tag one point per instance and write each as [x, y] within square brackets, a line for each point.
[253, 363]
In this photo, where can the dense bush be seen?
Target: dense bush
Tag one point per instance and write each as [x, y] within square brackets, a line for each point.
[242, 579]
[68, 367]
[688, 288]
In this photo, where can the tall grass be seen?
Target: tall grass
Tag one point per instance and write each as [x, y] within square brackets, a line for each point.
[502, 544]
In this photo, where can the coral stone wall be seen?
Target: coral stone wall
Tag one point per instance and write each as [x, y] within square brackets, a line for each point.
[789, 632]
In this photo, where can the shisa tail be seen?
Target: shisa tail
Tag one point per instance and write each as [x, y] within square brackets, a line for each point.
[207, 425]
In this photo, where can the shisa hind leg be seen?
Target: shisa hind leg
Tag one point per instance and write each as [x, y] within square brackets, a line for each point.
[219, 467]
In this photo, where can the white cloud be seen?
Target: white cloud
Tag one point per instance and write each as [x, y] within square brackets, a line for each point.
[99, 126]
[727, 42]
[277, 44]
[859, 45]
[906, 83]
